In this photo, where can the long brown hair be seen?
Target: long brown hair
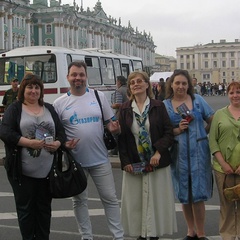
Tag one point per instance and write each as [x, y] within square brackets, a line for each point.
[169, 90]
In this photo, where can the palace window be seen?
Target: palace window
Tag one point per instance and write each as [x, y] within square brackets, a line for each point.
[49, 42]
[214, 55]
[48, 29]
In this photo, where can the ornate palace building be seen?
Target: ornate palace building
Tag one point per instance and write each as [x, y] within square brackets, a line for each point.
[53, 24]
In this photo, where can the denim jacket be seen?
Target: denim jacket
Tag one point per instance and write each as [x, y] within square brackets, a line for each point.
[191, 154]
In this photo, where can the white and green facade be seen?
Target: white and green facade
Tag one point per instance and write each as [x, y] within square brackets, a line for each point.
[53, 24]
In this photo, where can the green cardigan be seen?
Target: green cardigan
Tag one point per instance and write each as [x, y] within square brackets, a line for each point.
[224, 136]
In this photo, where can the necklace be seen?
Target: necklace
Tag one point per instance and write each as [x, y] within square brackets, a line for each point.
[35, 112]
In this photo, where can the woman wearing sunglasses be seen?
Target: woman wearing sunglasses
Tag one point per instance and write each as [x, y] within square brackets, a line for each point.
[31, 131]
[148, 209]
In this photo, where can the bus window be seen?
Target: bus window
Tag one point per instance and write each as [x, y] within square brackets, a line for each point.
[2, 71]
[44, 66]
[93, 71]
[107, 71]
[137, 65]
[117, 67]
[10, 68]
[125, 70]
[69, 59]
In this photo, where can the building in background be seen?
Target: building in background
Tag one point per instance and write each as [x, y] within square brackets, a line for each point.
[212, 62]
[53, 24]
[164, 63]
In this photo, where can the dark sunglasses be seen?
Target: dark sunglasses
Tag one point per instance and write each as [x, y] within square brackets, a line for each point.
[31, 76]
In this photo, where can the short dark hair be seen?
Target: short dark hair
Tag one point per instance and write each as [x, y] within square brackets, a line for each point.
[14, 79]
[33, 79]
[122, 80]
[78, 64]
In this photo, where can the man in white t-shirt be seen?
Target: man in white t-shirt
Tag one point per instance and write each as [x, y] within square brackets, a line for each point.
[81, 117]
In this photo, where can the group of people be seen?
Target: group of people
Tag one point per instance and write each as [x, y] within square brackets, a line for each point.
[163, 148]
[209, 89]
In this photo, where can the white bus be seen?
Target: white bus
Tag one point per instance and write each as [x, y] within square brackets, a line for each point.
[51, 64]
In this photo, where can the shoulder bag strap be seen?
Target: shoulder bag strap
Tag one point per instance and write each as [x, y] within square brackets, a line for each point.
[100, 104]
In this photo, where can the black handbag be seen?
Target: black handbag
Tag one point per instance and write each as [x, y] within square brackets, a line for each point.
[67, 177]
[108, 138]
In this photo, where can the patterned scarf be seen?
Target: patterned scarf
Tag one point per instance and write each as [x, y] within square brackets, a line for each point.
[144, 143]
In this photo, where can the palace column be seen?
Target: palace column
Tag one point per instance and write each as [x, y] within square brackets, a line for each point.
[40, 39]
[76, 37]
[10, 32]
[72, 37]
[66, 35]
[28, 30]
[2, 15]
[56, 33]
[90, 39]
[61, 35]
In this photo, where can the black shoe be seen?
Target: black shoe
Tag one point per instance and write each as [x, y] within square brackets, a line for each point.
[191, 238]
[141, 238]
[154, 238]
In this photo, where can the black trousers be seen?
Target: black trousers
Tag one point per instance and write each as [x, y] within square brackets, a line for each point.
[33, 204]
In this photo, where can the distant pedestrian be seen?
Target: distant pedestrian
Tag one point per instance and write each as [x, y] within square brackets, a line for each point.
[10, 95]
[196, 87]
[120, 96]
[160, 91]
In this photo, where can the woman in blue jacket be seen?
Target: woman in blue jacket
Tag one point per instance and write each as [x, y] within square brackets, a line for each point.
[191, 168]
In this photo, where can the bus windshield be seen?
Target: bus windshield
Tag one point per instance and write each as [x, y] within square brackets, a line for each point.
[42, 65]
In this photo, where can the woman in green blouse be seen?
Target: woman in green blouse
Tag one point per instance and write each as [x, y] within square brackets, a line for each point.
[224, 142]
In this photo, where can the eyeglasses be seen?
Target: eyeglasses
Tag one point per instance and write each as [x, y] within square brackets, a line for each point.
[137, 81]
[30, 76]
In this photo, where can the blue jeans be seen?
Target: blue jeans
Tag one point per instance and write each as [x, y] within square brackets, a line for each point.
[103, 179]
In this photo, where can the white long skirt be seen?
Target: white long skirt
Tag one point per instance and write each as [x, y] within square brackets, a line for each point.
[148, 207]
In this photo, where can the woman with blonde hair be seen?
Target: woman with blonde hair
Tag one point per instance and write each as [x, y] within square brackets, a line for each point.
[148, 209]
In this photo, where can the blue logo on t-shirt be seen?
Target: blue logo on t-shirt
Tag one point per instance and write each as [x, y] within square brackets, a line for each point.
[74, 120]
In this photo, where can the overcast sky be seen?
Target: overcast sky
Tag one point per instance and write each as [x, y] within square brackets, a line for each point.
[175, 23]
